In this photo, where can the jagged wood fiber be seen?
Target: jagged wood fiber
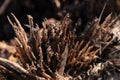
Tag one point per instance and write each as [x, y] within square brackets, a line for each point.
[54, 52]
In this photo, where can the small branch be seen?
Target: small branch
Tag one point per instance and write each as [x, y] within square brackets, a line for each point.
[9, 64]
[16, 69]
[4, 6]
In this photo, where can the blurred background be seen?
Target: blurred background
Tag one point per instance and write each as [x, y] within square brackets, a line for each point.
[82, 12]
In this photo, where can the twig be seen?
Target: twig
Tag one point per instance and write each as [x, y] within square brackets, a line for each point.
[4, 6]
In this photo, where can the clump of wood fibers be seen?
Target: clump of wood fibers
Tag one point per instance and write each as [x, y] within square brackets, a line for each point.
[55, 52]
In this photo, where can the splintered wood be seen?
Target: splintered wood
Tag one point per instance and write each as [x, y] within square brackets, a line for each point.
[54, 52]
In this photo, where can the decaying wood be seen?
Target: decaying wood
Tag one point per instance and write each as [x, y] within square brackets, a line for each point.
[54, 52]
[15, 70]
